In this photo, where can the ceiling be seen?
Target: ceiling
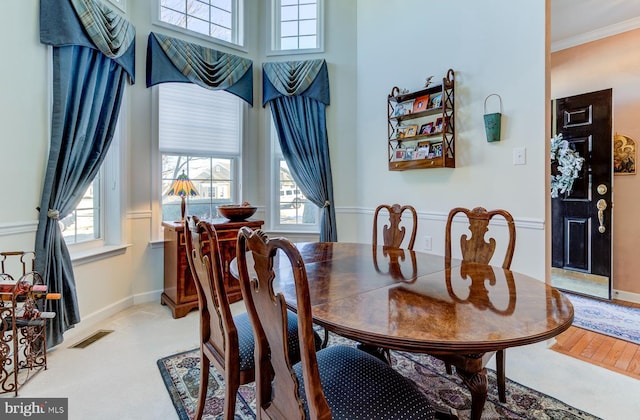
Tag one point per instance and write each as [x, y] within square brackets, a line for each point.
[574, 22]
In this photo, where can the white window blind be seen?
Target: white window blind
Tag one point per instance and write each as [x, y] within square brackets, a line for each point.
[195, 120]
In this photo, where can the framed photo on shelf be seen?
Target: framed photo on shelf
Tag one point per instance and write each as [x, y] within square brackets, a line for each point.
[403, 108]
[408, 154]
[435, 101]
[426, 128]
[420, 104]
[398, 154]
[436, 149]
[411, 130]
[439, 125]
[422, 150]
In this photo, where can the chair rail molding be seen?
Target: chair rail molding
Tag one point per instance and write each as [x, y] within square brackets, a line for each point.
[521, 222]
[146, 214]
[16, 228]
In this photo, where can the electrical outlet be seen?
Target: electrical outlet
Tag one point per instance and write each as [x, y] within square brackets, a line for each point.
[427, 243]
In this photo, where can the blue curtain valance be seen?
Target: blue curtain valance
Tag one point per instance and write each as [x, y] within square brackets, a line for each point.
[173, 60]
[92, 24]
[308, 78]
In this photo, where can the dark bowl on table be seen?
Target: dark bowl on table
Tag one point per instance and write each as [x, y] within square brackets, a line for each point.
[236, 213]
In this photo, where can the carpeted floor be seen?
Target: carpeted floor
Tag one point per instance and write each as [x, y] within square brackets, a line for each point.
[180, 373]
[606, 318]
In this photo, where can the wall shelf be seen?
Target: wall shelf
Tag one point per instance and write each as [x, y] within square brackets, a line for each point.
[421, 127]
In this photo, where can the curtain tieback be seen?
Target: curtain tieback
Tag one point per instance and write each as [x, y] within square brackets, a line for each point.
[327, 203]
[53, 214]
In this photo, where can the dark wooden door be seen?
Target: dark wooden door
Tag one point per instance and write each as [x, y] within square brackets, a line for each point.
[581, 233]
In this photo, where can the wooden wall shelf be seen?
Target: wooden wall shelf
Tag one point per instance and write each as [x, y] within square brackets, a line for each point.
[421, 150]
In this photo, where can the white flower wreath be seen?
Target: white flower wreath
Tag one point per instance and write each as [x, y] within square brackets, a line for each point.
[568, 166]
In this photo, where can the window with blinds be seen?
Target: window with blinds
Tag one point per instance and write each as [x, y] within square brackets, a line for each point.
[200, 133]
[197, 120]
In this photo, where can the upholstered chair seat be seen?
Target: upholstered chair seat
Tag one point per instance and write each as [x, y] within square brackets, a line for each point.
[359, 386]
[247, 343]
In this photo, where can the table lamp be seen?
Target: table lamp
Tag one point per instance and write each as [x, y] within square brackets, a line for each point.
[182, 186]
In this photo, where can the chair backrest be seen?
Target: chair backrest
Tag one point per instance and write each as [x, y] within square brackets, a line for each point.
[276, 383]
[203, 254]
[393, 234]
[475, 248]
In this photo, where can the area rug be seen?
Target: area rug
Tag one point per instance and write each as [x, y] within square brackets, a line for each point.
[181, 373]
[606, 318]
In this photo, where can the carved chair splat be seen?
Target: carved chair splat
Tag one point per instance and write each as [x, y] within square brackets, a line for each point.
[393, 234]
[477, 249]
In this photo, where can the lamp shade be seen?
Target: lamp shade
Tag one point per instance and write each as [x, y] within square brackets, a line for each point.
[182, 187]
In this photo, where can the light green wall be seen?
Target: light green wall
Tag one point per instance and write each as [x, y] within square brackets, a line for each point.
[23, 122]
[493, 47]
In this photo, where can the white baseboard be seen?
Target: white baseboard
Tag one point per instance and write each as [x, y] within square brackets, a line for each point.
[626, 296]
[147, 297]
[88, 322]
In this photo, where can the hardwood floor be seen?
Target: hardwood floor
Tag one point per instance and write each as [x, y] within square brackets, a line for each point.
[610, 353]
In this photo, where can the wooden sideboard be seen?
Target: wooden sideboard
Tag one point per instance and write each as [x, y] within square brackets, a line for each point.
[179, 289]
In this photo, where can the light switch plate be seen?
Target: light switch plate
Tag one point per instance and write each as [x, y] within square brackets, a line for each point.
[519, 156]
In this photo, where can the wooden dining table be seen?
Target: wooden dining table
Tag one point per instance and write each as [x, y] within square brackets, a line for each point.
[461, 313]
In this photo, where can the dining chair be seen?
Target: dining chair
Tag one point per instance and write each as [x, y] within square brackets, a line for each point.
[337, 382]
[226, 341]
[393, 234]
[476, 249]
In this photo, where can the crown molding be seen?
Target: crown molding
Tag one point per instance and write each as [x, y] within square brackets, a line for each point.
[596, 34]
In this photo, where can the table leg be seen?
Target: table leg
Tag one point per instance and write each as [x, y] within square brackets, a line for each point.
[477, 384]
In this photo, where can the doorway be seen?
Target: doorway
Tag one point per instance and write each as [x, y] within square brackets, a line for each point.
[581, 228]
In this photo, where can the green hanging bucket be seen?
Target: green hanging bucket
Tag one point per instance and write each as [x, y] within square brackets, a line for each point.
[492, 122]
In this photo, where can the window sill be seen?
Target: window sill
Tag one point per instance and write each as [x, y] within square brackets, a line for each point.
[97, 254]
[275, 53]
[156, 244]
